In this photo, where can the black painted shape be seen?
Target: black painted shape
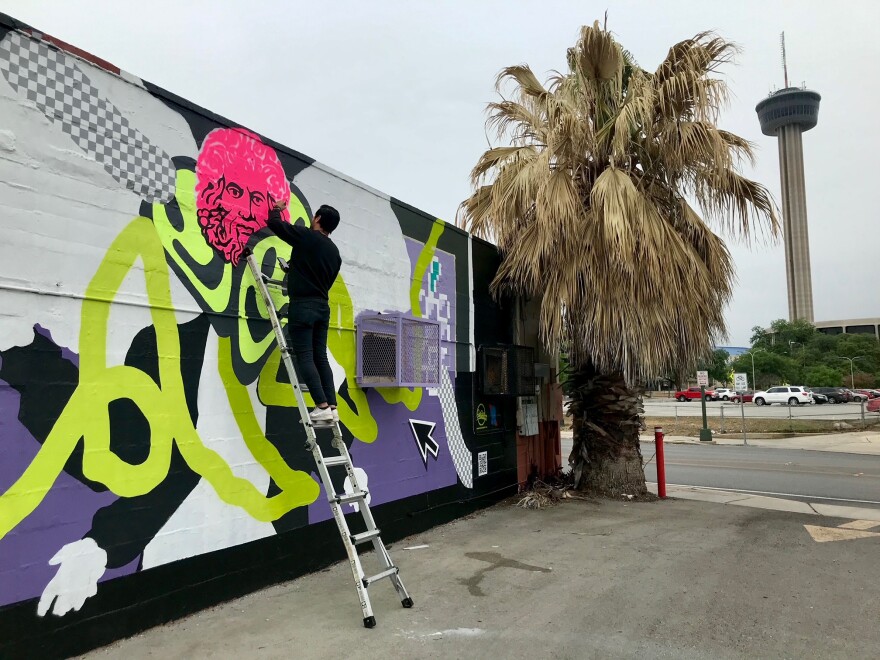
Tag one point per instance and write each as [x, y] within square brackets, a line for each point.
[423, 434]
[414, 224]
[125, 527]
[45, 381]
[202, 121]
[343, 393]
[184, 163]
[8, 23]
[210, 274]
[146, 209]
[257, 326]
[284, 430]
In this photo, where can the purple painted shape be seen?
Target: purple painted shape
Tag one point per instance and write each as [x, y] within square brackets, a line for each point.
[393, 462]
[64, 515]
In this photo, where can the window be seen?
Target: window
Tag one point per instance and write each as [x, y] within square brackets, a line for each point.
[777, 390]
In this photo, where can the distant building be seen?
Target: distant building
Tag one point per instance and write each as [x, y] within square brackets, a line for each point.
[733, 351]
[850, 327]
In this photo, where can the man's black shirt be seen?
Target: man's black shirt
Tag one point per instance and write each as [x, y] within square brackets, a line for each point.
[314, 260]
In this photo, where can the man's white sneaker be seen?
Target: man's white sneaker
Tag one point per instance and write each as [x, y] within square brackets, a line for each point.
[321, 415]
[335, 415]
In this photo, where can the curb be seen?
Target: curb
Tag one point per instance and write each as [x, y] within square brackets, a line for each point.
[718, 496]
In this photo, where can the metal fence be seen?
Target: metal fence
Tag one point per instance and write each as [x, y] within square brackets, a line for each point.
[731, 418]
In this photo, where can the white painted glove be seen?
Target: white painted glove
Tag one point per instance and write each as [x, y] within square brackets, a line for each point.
[362, 479]
[80, 565]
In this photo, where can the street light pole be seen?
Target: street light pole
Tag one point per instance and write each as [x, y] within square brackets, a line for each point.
[752, 355]
[852, 378]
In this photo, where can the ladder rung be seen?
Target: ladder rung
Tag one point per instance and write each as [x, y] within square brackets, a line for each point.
[379, 576]
[351, 497]
[363, 537]
[335, 460]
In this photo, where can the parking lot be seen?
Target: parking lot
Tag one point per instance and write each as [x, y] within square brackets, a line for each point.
[665, 407]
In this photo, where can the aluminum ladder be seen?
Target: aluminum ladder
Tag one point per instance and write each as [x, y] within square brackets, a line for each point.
[343, 459]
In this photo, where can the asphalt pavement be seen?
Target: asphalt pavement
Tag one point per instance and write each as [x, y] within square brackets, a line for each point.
[810, 476]
[676, 579]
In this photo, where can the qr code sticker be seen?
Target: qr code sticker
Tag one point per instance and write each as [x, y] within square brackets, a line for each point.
[482, 464]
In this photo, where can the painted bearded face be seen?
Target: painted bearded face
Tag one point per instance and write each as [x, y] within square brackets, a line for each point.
[238, 181]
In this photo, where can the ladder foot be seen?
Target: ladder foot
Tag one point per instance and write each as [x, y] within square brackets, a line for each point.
[369, 622]
[407, 602]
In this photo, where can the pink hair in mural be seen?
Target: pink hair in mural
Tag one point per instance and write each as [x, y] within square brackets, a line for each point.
[238, 181]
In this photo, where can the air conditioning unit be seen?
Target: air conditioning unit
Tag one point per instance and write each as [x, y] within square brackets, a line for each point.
[507, 370]
[397, 350]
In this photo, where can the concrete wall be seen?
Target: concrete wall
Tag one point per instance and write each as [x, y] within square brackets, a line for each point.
[152, 462]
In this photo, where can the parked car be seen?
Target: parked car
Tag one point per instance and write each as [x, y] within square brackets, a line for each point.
[793, 396]
[874, 405]
[858, 396]
[693, 394]
[745, 396]
[834, 394]
[818, 399]
[724, 394]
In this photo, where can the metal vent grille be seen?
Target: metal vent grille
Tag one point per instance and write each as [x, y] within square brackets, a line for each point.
[420, 351]
[378, 349]
[507, 370]
[522, 360]
[394, 350]
[494, 374]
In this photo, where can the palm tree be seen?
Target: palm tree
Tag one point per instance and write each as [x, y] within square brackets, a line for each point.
[597, 203]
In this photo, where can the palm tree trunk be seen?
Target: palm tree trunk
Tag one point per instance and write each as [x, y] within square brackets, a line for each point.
[607, 417]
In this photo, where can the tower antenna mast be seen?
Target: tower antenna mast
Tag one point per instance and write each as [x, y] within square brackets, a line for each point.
[784, 61]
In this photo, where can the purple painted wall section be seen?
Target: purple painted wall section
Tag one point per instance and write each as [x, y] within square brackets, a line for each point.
[64, 516]
[438, 304]
[393, 463]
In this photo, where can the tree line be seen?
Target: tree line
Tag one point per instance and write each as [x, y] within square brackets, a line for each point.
[795, 352]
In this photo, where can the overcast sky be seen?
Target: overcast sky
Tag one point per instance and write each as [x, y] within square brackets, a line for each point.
[393, 93]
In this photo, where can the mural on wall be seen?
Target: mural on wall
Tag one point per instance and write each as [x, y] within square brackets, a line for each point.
[163, 426]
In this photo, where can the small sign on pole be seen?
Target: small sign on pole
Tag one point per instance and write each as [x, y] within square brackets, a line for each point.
[703, 378]
[740, 382]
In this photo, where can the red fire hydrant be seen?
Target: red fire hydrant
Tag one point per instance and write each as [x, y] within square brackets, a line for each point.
[661, 462]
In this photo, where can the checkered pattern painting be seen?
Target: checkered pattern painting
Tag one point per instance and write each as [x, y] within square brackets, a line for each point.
[52, 80]
[461, 455]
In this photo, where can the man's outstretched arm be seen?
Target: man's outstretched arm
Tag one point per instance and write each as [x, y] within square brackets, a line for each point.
[290, 234]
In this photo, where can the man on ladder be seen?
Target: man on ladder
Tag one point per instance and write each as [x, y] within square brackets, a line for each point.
[314, 265]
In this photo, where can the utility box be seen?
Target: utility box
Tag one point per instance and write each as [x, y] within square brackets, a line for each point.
[397, 350]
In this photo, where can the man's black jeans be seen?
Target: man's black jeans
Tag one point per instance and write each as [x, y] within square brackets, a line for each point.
[308, 324]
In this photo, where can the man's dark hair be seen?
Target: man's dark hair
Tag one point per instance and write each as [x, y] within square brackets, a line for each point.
[329, 218]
